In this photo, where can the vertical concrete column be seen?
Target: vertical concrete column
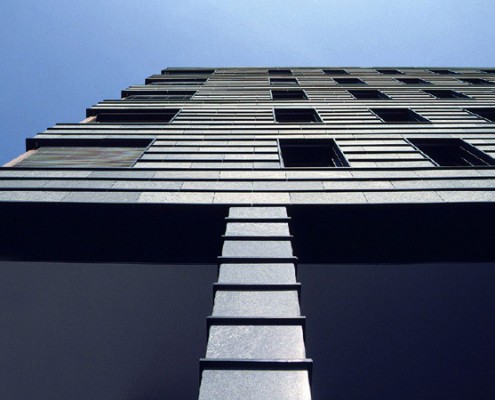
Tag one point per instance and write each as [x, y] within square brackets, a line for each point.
[255, 344]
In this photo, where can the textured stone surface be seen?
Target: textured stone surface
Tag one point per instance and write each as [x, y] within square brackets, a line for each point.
[254, 385]
[257, 273]
[257, 229]
[254, 341]
[256, 304]
[257, 212]
[257, 248]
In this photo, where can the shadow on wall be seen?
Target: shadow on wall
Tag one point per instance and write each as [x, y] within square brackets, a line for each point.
[102, 331]
[400, 331]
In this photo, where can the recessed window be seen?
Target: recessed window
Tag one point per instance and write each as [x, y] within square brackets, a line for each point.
[486, 113]
[398, 115]
[443, 71]
[280, 72]
[452, 152]
[183, 81]
[488, 71]
[296, 115]
[288, 94]
[335, 72]
[368, 94]
[446, 94]
[84, 153]
[311, 153]
[134, 115]
[389, 71]
[196, 71]
[476, 81]
[159, 95]
[349, 81]
[413, 81]
[283, 82]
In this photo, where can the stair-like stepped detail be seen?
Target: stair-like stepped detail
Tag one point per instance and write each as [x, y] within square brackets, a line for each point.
[256, 332]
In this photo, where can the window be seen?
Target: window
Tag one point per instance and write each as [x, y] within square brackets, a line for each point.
[167, 81]
[196, 71]
[443, 71]
[389, 71]
[280, 72]
[488, 71]
[335, 72]
[83, 153]
[413, 81]
[446, 94]
[398, 115]
[368, 94]
[311, 153]
[137, 115]
[283, 82]
[476, 81]
[486, 113]
[296, 115]
[452, 152]
[349, 81]
[159, 95]
[288, 95]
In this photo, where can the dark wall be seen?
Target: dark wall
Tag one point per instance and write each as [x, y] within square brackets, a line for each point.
[102, 331]
[400, 331]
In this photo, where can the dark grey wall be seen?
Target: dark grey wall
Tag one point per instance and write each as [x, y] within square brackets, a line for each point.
[102, 331]
[400, 331]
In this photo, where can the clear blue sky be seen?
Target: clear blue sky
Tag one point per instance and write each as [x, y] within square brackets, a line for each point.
[60, 56]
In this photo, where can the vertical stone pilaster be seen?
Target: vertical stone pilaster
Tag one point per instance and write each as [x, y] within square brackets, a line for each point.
[255, 344]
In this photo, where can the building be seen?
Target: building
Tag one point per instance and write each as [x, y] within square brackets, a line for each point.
[378, 184]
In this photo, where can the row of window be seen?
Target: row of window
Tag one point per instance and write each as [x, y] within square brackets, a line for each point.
[329, 71]
[325, 153]
[357, 81]
[295, 153]
[365, 94]
[283, 115]
[295, 82]
[292, 94]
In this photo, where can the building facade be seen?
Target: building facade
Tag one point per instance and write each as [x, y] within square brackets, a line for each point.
[376, 184]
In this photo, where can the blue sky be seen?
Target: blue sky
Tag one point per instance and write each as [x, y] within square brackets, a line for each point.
[59, 57]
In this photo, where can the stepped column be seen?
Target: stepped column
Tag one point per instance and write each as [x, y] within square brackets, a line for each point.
[255, 344]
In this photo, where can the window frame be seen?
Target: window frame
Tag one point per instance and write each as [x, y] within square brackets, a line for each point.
[418, 119]
[485, 159]
[337, 158]
[313, 110]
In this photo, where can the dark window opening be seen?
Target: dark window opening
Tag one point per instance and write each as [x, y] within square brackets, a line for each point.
[389, 71]
[297, 115]
[283, 81]
[446, 94]
[280, 72]
[288, 95]
[413, 81]
[486, 113]
[443, 71]
[488, 71]
[452, 152]
[311, 153]
[185, 81]
[398, 115]
[335, 72]
[368, 94]
[135, 115]
[188, 71]
[476, 81]
[349, 81]
[160, 95]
